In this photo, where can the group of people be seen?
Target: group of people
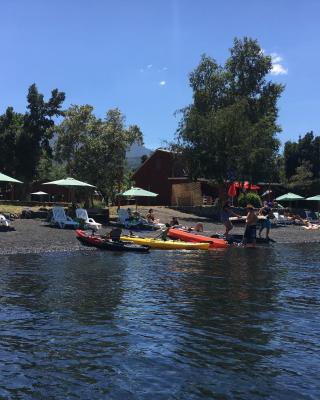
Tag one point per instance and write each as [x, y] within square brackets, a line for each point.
[250, 232]
[150, 217]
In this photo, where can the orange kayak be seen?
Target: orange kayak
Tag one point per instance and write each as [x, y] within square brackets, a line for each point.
[187, 236]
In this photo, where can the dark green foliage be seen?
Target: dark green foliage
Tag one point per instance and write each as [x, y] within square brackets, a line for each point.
[230, 128]
[24, 138]
[144, 158]
[95, 150]
[249, 198]
[34, 138]
[11, 127]
[303, 154]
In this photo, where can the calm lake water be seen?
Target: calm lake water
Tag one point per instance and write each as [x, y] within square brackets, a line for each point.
[236, 324]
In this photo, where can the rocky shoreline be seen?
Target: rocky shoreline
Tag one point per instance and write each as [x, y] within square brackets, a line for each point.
[36, 236]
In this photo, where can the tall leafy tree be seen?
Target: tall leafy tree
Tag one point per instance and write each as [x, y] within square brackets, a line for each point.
[11, 127]
[304, 153]
[34, 139]
[95, 149]
[229, 130]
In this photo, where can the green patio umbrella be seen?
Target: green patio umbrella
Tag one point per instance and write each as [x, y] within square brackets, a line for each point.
[6, 178]
[315, 198]
[138, 192]
[289, 197]
[40, 194]
[70, 183]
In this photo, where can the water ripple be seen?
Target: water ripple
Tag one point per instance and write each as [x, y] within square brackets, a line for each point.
[233, 324]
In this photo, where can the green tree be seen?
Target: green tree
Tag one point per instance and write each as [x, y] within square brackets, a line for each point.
[304, 153]
[34, 139]
[11, 126]
[303, 177]
[143, 158]
[95, 149]
[230, 127]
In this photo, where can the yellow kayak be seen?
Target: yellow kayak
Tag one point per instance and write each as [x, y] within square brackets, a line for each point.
[166, 244]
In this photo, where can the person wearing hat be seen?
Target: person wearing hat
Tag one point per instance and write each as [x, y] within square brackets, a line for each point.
[250, 233]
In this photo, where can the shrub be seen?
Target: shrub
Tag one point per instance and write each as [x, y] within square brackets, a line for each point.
[249, 198]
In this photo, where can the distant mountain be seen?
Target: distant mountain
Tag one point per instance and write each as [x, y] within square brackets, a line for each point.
[134, 154]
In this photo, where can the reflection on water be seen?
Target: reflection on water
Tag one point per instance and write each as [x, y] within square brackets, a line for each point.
[236, 324]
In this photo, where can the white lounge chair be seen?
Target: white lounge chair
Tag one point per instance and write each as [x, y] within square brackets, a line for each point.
[60, 219]
[124, 220]
[90, 223]
[5, 224]
[4, 221]
[281, 219]
[311, 216]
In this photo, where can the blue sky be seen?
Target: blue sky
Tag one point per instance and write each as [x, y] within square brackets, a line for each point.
[137, 54]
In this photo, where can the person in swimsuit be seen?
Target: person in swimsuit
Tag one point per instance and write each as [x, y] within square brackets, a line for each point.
[265, 223]
[151, 218]
[250, 233]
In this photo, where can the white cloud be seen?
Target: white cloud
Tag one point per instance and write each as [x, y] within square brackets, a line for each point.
[276, 58]
[162, 83]
[149, 66]
[277, 67]
[165, 69]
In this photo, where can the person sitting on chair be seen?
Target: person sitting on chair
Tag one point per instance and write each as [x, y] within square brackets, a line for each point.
[151, 218]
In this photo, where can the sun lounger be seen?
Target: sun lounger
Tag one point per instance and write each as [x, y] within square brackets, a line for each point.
[90, 223]
[311, 216]
[60, 219]
[4, 222]
[281, 219]
[126, 221]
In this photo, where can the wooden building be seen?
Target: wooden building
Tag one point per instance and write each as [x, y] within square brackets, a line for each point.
[163, 173]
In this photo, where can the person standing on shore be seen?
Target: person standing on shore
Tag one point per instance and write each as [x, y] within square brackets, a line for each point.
[226, 213]
[265, 223]
[250, 233]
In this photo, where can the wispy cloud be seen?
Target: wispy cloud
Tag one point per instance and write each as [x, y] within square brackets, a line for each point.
[162, 83]
[277, 65]
[146, 68]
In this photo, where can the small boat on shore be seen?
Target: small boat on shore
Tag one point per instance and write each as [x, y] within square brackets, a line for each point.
[187, 236]
[166, 244]
[108, 244]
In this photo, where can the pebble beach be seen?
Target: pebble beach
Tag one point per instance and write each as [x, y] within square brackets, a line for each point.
[36, 236]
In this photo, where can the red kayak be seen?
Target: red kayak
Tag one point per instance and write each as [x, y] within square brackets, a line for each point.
[108, 244]
[187, 236]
